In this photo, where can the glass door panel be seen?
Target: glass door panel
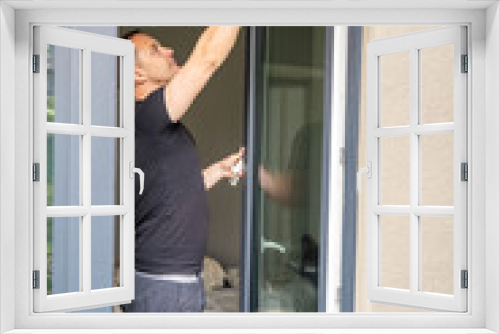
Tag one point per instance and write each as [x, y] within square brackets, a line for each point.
[289, 159]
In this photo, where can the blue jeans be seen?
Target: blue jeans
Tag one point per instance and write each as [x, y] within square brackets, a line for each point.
[152, 295]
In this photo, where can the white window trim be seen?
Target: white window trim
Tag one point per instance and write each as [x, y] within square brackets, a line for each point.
[483, 146]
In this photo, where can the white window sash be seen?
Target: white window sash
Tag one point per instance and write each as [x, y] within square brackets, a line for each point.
[85, 298]
[412, 43]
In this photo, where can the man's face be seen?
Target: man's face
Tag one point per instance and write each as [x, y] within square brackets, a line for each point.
[154, 60]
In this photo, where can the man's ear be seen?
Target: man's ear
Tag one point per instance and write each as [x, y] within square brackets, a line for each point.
[140, 76]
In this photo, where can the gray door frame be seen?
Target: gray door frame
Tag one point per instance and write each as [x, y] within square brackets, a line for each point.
[248, 295]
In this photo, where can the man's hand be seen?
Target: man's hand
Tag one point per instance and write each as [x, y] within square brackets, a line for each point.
[228, 163]
[223, 169]
[277, 185]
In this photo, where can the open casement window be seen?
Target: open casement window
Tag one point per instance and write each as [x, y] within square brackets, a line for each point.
[416, 198]
[83, 170]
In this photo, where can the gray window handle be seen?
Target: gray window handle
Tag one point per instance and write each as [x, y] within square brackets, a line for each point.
[367, 170]
[141, 175]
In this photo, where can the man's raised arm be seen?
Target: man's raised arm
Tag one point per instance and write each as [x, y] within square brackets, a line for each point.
[210, 51]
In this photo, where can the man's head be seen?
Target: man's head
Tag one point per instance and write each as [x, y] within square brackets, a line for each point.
[154, 63]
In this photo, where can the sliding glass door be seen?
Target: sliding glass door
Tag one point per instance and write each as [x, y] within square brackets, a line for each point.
[285, 198]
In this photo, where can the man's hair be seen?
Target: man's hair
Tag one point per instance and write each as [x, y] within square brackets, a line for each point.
[132, 33]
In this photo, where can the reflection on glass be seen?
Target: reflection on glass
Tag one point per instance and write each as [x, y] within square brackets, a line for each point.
[436, 66]
[395, 252]
[105, 89]
[105, 258]
[437, 254]
[63, 85]
[395, 170]
[63, 248]
[437, 169]
[288, 203]
[395, 89]
[105, 185]
[63, 170]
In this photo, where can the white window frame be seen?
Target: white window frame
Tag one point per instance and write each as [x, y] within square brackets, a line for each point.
[86, 43]
[413, 44]
[483, 147]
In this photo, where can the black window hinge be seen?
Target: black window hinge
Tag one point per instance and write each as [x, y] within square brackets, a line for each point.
[36, 172]
[465, 279]
[36, 63]
[465, 172]
[36, 279]
[465, 64]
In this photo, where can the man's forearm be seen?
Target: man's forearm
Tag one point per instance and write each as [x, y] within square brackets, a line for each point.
[215, 43]
[212, 174]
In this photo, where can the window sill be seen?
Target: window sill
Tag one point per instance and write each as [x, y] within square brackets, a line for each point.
[256, 331]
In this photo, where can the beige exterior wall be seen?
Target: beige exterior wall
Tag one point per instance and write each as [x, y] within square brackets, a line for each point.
[437, 162]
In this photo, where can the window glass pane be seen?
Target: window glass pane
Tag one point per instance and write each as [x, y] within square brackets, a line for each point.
[105, 257]
[63, 255]
[105, 186]
[395, 252]
[437, 254]
[63, 84]
[395, 170]
[437, 84]
[437, 169]
[395, 89]
[105, 89]
[63, 170]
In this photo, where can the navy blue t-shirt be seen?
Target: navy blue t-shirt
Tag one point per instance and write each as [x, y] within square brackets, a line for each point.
[171, 215]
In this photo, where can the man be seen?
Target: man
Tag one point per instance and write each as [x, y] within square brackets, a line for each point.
[171, 216]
